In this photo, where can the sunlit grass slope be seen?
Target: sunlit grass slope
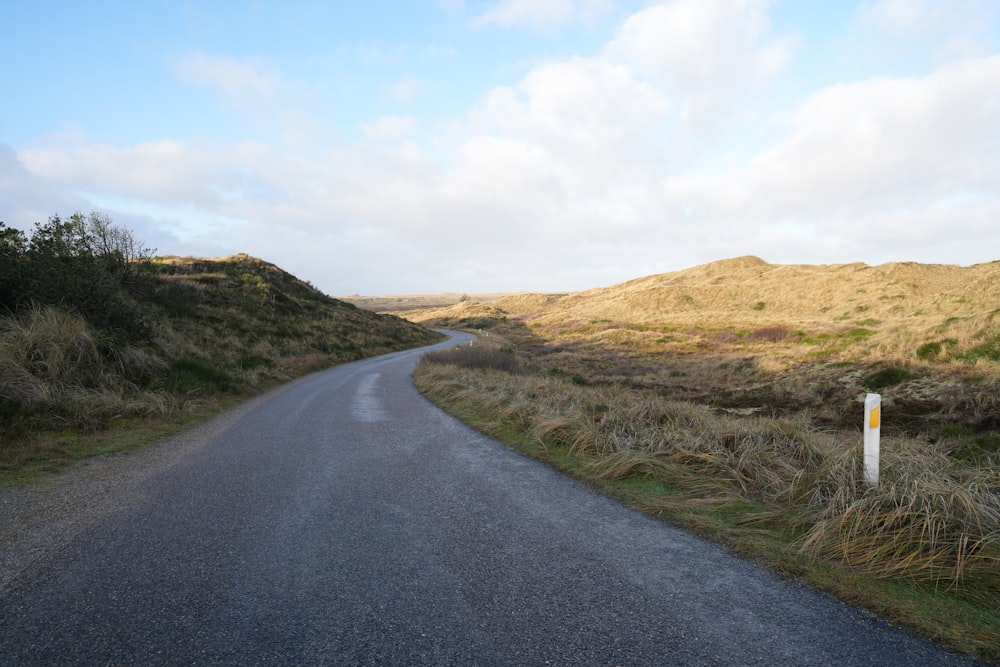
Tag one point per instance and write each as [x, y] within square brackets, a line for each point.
[747, 335]
[729, 398]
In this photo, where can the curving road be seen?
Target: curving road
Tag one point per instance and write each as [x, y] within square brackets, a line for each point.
[347, 521]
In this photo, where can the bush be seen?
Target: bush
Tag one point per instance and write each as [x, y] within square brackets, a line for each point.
[190, 376]
[988, 349]
[887, 377]
[929, 350]
[472, 356]
[771, 334]
[85, 264]
[55, 370]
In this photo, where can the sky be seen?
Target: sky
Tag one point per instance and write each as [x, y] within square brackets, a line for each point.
[408, 146]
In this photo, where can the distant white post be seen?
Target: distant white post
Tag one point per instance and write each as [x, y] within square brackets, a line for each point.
[873, 422]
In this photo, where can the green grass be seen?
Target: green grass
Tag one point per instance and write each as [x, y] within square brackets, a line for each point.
[988, 350]
[52, 452]
[887, 377]
[965, 444]
[192, 377]
[929, 350]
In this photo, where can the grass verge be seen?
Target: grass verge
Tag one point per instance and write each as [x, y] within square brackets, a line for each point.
[923, 551]
[50, 452]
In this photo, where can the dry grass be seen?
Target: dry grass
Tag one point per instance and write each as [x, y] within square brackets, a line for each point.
[57, 372]
[775, 339]
[403, 302]
[933, 518]
[903, 305]
[477, 356]
[729, 398]
[215, 327]
[783, 491]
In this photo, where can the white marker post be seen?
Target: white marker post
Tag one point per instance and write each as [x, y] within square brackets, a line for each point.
[873, 422]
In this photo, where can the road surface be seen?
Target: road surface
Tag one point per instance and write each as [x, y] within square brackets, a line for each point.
[344, 520]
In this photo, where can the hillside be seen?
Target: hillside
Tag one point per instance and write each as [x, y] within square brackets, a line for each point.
[398, 303]
[747, 335]
[749, 290]
[895, 302]
[98, 336]
[236, 307]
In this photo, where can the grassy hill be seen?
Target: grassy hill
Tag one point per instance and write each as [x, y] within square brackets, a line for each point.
[89, 357]
[746, 335]
[398, 303]
[242, 311]
[747, 291]
[750, 291]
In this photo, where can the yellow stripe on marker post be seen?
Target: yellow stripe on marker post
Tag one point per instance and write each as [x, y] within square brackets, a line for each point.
[873, 424]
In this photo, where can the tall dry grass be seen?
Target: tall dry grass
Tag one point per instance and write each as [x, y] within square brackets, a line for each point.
[477, 356]
[933, 518]
[56, 371]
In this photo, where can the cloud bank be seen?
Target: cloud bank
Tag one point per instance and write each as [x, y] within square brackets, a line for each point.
[587, 169]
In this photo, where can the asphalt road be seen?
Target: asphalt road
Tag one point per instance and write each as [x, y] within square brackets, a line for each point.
[347, 521]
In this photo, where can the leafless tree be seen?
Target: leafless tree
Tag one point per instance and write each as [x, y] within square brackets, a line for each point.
[124, 254]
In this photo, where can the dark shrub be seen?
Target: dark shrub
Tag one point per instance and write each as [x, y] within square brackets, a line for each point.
[472, 356]
[770, 334]
[988, 349]
[887, 377]
[929, 350]
[190, 376]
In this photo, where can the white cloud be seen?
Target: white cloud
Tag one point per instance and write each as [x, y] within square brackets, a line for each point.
[239, 81]
[902, 160]
[709, 53]
[155, 169]
[958, 28]
[542, 15]
[571, 176]
[390, 128]
[405, 90]
[591, 120]
[237, 181]
[914, 138]
[25, 198]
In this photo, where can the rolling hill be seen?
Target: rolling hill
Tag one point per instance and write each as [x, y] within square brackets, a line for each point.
[898, 304]
[231, 307]
[178, 336]
[743, 334]
[750, 291]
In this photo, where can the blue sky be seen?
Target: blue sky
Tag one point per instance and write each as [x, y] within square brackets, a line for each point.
[507, 145]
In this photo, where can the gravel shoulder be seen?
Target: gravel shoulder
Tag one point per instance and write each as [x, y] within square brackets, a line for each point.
[37, 519]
